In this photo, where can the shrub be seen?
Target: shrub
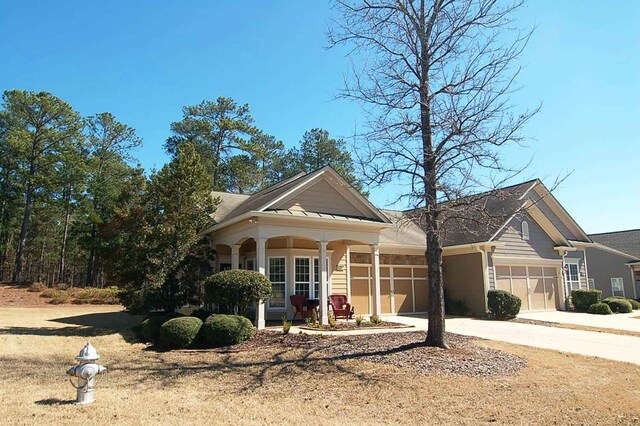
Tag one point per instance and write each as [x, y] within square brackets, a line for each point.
[60, 297]
[502, 304]
[201, 313]
[286, 325]
[49, 293]
[37, 287]
[359, 320]
[619, 306]
[583, 299]
[331, 320]
[600, 308]
[375, 319]
[236, 290]
[150, 327]
[179, 332]
[225, 330]
[634, 304]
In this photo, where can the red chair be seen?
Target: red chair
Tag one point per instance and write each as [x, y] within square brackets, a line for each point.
[299, 302]
[341, 308]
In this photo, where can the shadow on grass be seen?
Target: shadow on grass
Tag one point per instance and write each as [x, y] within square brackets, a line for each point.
[55, 401]
[85, 325]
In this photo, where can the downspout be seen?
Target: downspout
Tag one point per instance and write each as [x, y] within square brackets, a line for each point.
[633, 282]
[564, 281]
[485, 275]
[586, 266]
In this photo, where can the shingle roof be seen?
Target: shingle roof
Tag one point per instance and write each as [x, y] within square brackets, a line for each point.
[624, 241]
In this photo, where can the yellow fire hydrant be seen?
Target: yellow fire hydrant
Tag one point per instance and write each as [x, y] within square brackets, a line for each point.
[86, 372]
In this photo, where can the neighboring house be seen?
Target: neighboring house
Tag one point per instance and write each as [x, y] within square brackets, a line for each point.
[614, 263]
[314, 234]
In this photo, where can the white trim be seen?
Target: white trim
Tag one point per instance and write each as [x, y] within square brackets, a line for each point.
[485, 277]
[348, 272]
[524, 225]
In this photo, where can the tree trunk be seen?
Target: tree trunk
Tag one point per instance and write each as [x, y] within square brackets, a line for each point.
[41, 263]
[91, 264]
[22, 241]
[63, 243]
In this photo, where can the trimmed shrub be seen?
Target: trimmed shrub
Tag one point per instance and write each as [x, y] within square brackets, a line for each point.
[179, 333]
[502, 304]
[635, 305]
[60, 297]
[150, 327]
[600, 308]
[618, 305]
[236, 290]
[583, 299]
[225, 330]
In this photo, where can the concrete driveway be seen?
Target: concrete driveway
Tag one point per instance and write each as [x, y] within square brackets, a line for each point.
[602, 345]
[628, 322]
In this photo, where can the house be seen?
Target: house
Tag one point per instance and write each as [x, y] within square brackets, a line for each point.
[614, 263]
[314, 234]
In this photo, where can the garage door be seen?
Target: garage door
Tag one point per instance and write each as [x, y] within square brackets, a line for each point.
[536, 286]
[403, 289]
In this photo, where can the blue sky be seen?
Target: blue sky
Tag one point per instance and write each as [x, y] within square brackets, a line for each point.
[144, 60]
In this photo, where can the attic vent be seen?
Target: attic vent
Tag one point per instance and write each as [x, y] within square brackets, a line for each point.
[525, 230]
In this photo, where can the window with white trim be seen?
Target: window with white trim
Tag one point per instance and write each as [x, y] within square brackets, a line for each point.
[572, 275]
[250, 264]
[278, 278]
[617, 286]
[302, 277]
[316, 278]
[592, 283]
[525, 230]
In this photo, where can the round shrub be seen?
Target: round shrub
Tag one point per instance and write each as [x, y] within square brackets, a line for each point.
[583, 299]
[620, 306]
[236, 290]
[225, 330]
[635, 305]
[150, 327]
[502, 304]
[600, 308]
[179, 332]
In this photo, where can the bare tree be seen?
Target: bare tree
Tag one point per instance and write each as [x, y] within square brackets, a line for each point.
[436, 78]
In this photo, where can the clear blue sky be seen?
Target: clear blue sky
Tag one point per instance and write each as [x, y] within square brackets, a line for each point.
[144, 60]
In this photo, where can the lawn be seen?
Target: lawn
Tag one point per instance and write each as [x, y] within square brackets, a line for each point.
[285, 384]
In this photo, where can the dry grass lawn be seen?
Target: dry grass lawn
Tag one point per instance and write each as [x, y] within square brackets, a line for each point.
[282, 386]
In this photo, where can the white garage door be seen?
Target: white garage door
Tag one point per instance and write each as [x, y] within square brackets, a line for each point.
[536, 286]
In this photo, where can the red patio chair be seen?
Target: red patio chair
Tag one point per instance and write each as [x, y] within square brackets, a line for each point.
[299, 302]
[341, 308]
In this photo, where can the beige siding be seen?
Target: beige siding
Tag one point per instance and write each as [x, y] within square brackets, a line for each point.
[604, 265]
[338, 269]
[320, 198]
[539, 244]
[463, 280]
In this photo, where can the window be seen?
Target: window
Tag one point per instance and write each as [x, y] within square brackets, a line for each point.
[277, 276]
[617, 286]
[250, 264]
[302, 276]
[525, 230]
[592, 283]
[225, 267]
[572, 275]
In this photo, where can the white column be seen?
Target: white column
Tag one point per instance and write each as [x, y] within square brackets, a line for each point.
[261, 263]
[324, 283]
[235, 256]
[375, 277]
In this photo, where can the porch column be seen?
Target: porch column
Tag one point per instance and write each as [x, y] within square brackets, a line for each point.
[261, 263]
[375, 277]
[235, 256]
[324, 283]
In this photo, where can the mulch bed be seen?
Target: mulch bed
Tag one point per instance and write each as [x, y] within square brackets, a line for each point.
[349, 326]
[403, 350]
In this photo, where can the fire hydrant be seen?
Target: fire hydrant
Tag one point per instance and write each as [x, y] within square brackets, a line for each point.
[86, 372]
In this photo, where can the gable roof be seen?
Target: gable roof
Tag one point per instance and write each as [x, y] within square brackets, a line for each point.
[625, 241]
[233, 205]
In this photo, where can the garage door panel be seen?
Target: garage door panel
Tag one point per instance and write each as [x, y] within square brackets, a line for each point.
[537, 293]
[360, 296]
[420, 272]
[403, 292]
[385, 296]
[503, 284]
[422, 295]
[402, 272]
[550, 288]
[521, 290]
[359, 271]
